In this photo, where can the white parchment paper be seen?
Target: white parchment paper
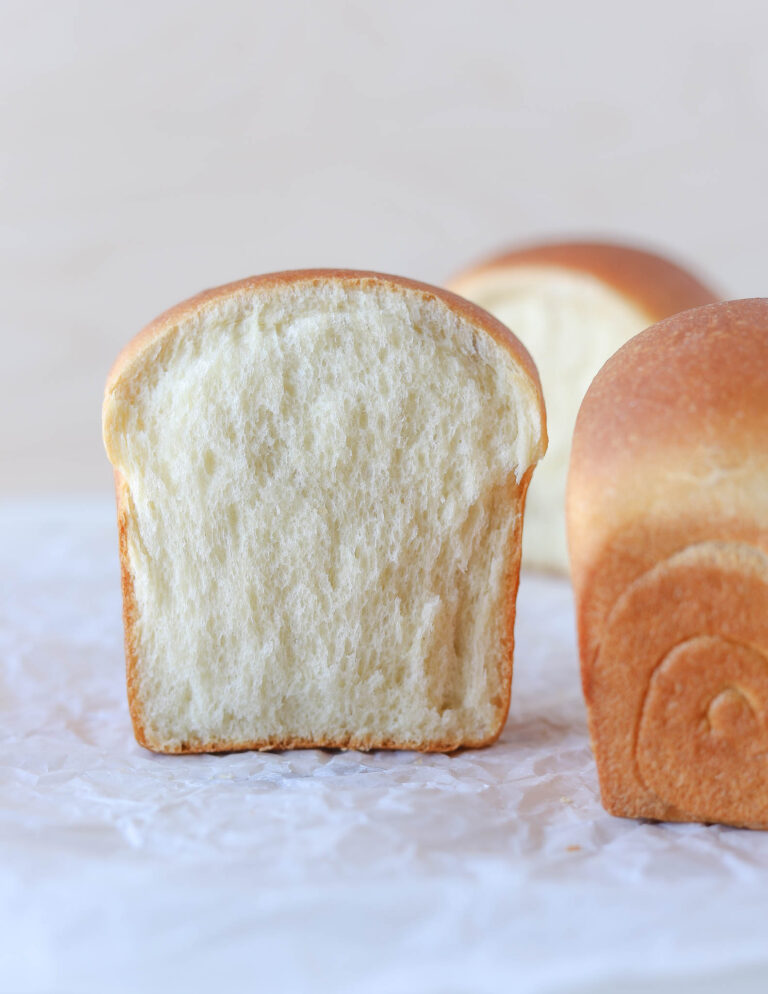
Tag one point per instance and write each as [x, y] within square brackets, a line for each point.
[488, 870]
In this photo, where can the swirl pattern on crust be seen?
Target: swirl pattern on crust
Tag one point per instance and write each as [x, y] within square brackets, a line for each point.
[684, 660]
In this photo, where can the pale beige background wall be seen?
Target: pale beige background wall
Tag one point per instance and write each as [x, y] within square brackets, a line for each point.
[149, 149]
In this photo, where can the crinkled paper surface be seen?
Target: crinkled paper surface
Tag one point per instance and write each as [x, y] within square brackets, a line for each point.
[486, 871]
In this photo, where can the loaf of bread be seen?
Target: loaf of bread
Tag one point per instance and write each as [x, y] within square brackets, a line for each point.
[572, 305]
[320, 480]
[668, 532]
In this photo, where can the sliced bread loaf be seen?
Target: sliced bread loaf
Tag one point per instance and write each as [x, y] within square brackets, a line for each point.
[320, 479]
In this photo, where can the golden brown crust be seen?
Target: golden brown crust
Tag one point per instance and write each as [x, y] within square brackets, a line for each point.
[668, 531]
[151, 336]
[701, 371]
[657, 286]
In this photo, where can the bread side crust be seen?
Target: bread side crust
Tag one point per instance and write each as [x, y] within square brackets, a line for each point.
[167, 323]
[657, 286]
[130, 608]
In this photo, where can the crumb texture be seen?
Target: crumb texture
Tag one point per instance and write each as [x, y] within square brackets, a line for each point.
[324, 500]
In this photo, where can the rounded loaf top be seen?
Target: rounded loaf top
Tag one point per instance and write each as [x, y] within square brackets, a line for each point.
[696, 383]
[674, 428]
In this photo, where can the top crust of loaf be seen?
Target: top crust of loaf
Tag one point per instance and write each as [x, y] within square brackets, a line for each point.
[699, 375]
[656, 285]
[169, 320]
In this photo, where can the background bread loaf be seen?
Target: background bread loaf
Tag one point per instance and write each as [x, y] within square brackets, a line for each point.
[321, 478]
[573, 304]
[668, 533]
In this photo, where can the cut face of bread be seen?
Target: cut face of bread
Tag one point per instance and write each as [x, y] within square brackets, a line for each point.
[321, 479]
[572, 305]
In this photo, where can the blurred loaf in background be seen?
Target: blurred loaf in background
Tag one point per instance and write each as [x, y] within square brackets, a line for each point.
[573, 304]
